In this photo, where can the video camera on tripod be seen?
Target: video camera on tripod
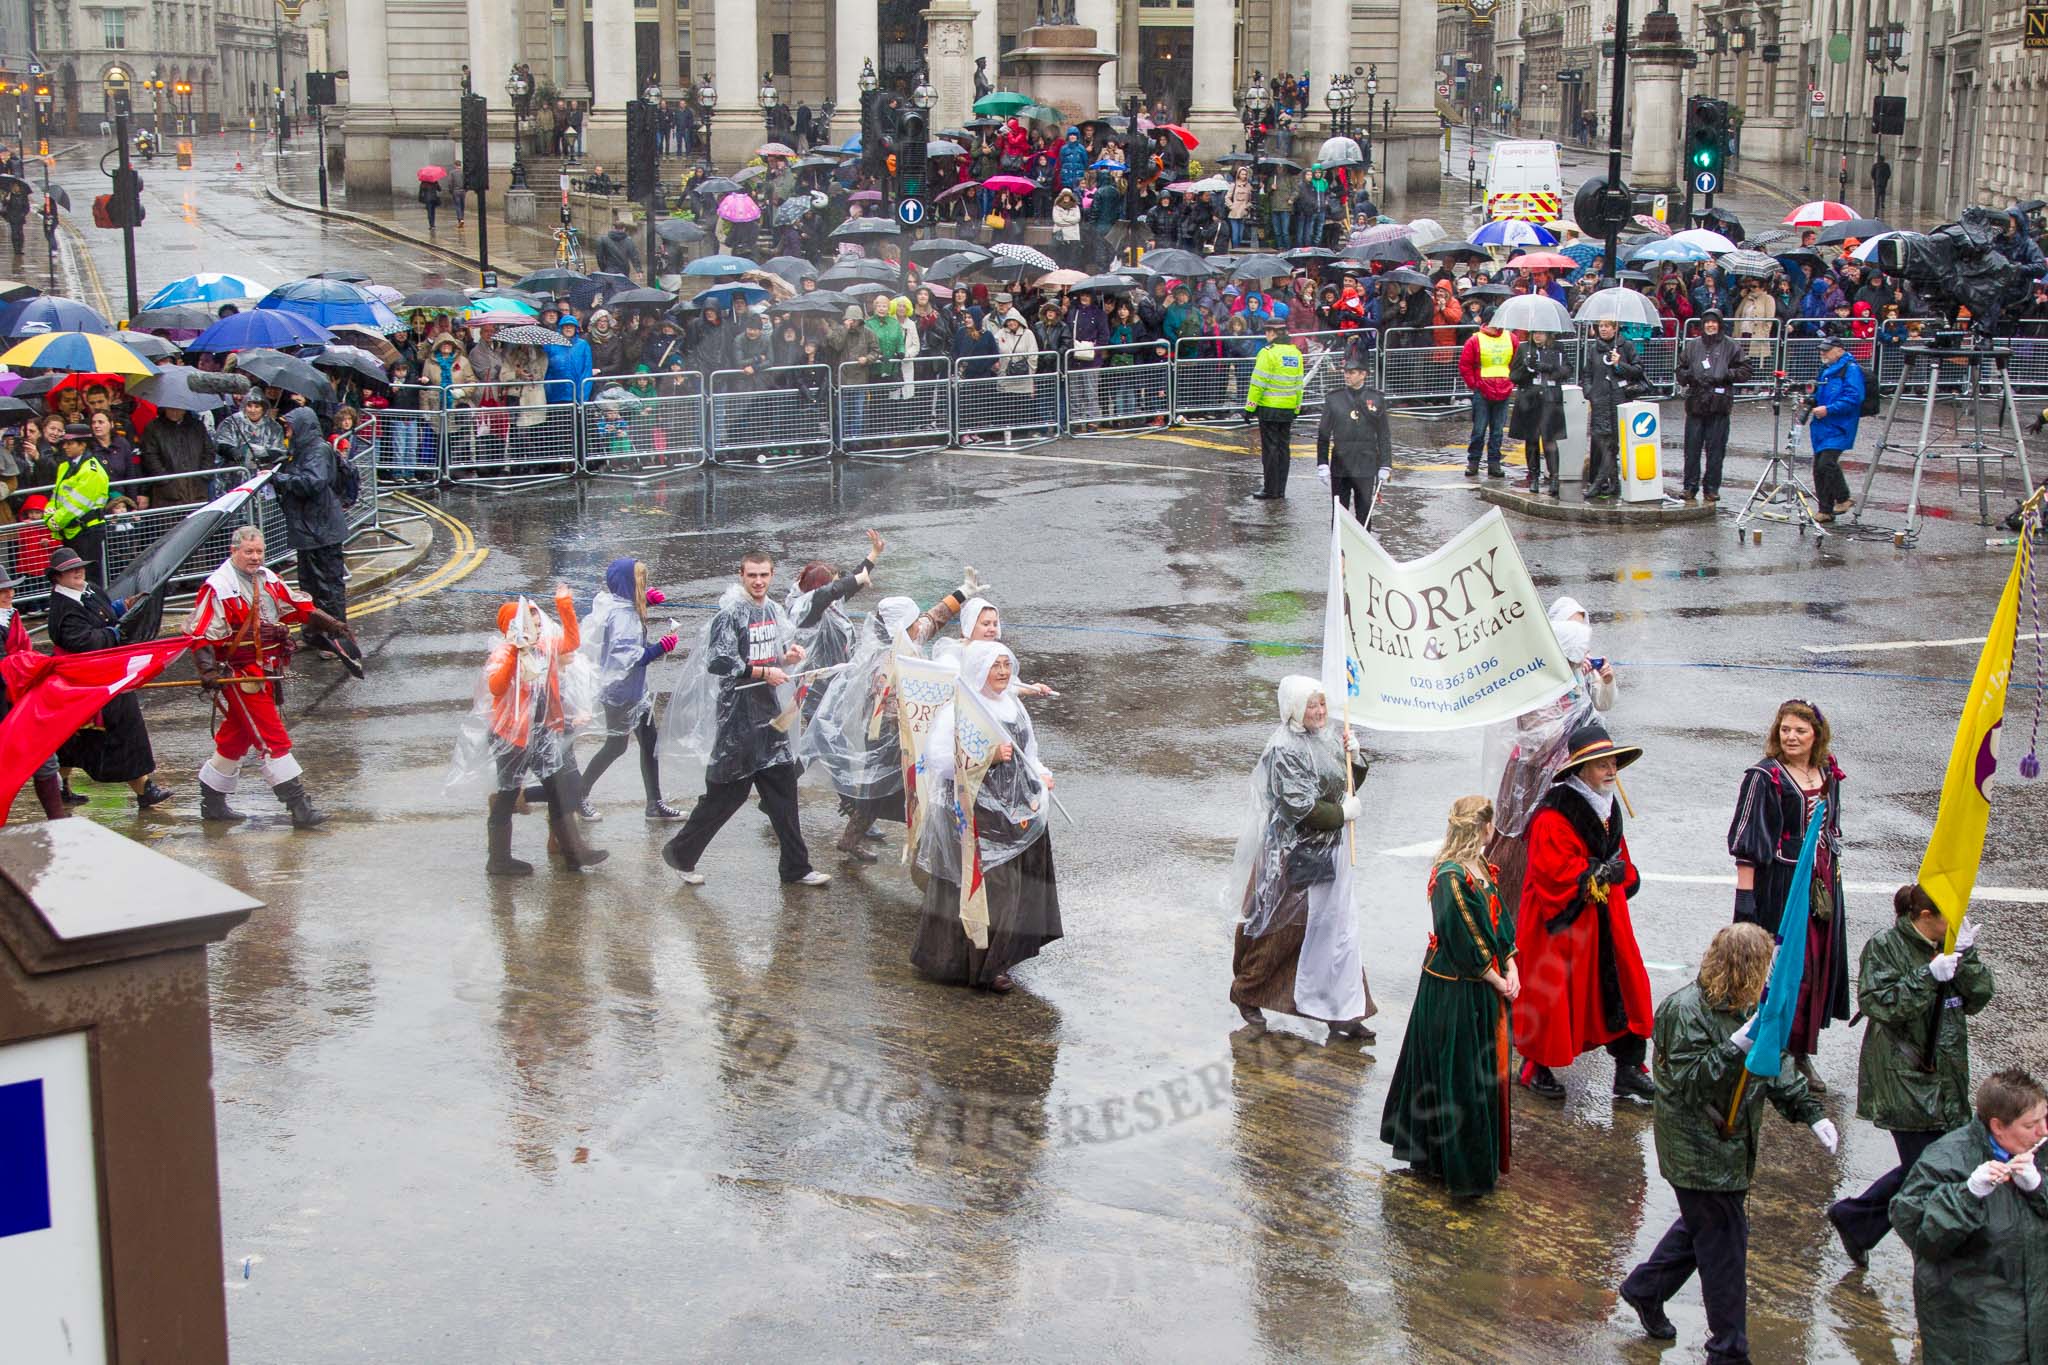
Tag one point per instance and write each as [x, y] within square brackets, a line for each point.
[1959, 264]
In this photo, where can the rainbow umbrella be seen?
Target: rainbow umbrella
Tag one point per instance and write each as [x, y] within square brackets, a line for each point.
[77, 352]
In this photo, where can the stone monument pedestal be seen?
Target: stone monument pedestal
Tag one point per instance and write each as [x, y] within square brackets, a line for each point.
[949, 47]
[521, 206]
[1058, 65]
[1656, 61]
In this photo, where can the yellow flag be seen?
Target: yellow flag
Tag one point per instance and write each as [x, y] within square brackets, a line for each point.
[1948, 870]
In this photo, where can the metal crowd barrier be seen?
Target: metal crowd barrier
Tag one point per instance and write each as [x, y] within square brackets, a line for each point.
[1126, 387]
[2029, 368]
[1209, 379]
[1415, 369]
[643, 427]
[408, 442]
[773, 420]
[1011, 410]
[896, 409]
[505, 446]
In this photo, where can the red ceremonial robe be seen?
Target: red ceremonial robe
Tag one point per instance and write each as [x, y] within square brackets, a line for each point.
[1563, 1010]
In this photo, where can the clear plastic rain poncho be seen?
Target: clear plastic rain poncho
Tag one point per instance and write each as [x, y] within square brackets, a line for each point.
[828, 641]
[949, 650]
[852, 736]
[1298, 768]
[735, 729]
[533, 697]
[615, 639]
[1011, 809]
[1519, 757]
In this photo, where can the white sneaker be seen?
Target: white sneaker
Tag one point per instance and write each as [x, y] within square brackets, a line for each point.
[692, 878]
[811, 878]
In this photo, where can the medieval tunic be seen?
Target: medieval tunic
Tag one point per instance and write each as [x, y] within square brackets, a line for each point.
[1583, 980]
[1447, 1110]
[1767, 833]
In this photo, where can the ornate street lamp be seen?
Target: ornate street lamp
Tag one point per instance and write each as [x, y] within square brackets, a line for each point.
[767, 98]
[519, 88]
[923, 96]
[868, 83]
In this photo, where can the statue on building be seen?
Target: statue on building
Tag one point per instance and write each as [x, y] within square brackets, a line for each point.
[981, 85]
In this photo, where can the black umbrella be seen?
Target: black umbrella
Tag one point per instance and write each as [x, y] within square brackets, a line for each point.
[716, 184]
[61, 195]
[1631, 277]
[946, 268]
[172, 388]
[1234, 159]
[1261, 268]
[815, 163]
[790, 210]
[346, 274]
[1140, 273]
[13, 409]
[434, 298]
[983, 121]
[1278, 163]
[1106, 284]
[275, 369]
[809, 305]
[143, 583]
[1834, 234]
[640, 298]
[1174, 261]
[353, 360]
[1490, 291]
[681, 231]
[795, 269]
[149, 345]
[859, 270]
[868, 291]
[1454, 251]
[931, 248]
[834, 297]
[37, 385]
[1407, 277]
[1394, 250]
[1310, 255]
[554, 278]
[15, 182]
[749, 174]
[867, 227]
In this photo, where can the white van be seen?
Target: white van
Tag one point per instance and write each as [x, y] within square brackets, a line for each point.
[1524, 180]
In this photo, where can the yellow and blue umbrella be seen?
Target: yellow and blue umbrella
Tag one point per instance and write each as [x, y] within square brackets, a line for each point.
[78, 352]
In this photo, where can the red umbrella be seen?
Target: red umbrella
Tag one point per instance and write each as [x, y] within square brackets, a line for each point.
[429, 175]
[954, 192]
[1015, 184]
[1819, 213]
[1187, 139]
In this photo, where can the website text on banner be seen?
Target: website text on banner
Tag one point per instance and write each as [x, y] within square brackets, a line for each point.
[1455, 639]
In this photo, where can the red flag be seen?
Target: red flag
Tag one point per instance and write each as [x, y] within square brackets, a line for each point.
[54, 694]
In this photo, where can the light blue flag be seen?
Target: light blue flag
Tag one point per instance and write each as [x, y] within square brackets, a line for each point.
[1773, 1026]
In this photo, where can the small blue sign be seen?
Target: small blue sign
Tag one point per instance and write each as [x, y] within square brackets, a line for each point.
[1643, 424]
[1706, 182]
[910, 212]
[24, 1160]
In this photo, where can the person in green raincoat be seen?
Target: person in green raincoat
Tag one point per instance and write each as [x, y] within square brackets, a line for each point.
[1909, 991]
[1701, 1038]
[1973, 1213]
[1447, 1110]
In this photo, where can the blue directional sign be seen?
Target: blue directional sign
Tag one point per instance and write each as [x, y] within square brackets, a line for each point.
[1706, 182]
[24, 1160]
[910, 212]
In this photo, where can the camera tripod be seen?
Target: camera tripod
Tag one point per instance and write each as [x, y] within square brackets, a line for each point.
[1972, 361]
[1779, 495]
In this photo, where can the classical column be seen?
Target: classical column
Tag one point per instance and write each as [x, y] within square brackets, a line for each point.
[1415, 119]
[671, 60]
[949, 55]
[1329, 40]
[578, 86]
[613, 82]
[493, 47]
[1101, 15]
[736, 52]
[1655, 62]
[1127, 41]
[985, 44]
[1212, 115]
[366, 122]
[858, 39]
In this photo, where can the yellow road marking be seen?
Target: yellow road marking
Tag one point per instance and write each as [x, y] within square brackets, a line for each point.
[468, 555]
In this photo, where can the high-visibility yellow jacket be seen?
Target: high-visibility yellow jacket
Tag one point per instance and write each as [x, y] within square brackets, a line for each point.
[79, 498]
[1277, 379]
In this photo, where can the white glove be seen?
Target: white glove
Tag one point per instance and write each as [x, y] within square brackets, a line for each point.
[1943, 967]
[1983, 1180]
[2027, 1177]
[1323, 472]
[1351, 809]
[1739, 1039]
[1966, 935]
[1829, 1138]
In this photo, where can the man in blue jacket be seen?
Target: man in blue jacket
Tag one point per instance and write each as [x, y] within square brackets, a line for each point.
[1837, 411]
[569, 365]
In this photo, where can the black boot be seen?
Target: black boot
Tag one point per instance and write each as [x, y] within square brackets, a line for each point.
[575, 852]
[498, 827]
[213, 806]
[293, 794]
[50, 791]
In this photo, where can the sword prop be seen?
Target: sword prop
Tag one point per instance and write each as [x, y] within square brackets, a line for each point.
[799, 677]
[1379, 488]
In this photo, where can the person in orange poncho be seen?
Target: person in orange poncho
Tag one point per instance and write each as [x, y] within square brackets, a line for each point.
[1583, 981]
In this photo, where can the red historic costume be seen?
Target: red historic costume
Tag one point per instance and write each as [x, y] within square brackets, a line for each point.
[1583, 980]
[241, 628]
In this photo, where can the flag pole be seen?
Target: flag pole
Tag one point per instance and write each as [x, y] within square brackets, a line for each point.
[1337, 543]
[1735, 1101]
[1627, 804]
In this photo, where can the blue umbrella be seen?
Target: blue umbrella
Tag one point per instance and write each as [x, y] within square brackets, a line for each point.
[719, 267]
[1585, 253]
[1669, 249]
[208, 287]
[56, 315]
[725, 295]
[851, 144]
[1108, 166]
[1513, 232]
[274, 327]
[330, 303]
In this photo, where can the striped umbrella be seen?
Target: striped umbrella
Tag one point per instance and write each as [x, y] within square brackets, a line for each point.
[1513, 232]
[1752, 264]
[1819, 213]
[78, 352]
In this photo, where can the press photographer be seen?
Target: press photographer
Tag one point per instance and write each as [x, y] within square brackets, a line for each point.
[1833, 413]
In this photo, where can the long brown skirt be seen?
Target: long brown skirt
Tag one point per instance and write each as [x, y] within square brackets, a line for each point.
[1262, 969]
[1023, 916]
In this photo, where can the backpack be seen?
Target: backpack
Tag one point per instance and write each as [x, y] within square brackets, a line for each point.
[348, 483]
[1873, 401]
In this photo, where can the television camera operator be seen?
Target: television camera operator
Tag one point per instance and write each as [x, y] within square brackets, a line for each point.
[1833, 410]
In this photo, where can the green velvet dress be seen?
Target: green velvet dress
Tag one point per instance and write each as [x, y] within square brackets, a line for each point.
[1447, 1111]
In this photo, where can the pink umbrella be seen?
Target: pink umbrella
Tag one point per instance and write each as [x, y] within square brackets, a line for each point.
[1180, 187]
[1015, 184]
[954, 192]
[739, 208]
[864, 197]
[775, 149]
[430, 174]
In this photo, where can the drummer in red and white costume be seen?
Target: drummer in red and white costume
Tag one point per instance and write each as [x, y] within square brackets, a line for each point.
[241, 623]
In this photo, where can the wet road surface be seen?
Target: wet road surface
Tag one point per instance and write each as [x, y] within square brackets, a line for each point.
[601, 1114]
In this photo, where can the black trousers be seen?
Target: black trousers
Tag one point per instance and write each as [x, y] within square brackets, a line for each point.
[1603, 464]
[616, 734]
[1712, 1237]
[1830, 484]
[1866, 1218]
[1350, 493]
[1629, 1050]
[1705, 437]
[323, 573]
[721, 800]
[1274, 452]
[1540, 454]
[89, 543]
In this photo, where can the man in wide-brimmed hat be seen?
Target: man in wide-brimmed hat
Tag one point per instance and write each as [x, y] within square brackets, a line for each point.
[1583, 981]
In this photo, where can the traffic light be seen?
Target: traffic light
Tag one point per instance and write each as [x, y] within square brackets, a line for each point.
[124, 206]
[910, 156]
[643, 152]
[319, 88]
[476, 147]
[1706, 136]
[1497, 88]
[1888, 115]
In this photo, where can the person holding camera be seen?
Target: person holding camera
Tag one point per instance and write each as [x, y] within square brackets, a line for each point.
[314, 487]
[1710, 365]
[1612, 374]
[1836, 410]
